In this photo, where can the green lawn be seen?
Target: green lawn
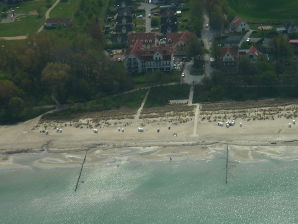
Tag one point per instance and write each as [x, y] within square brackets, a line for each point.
[160, 96]
[130, 100]
[27, 24]
[265, 9]
[65, 9]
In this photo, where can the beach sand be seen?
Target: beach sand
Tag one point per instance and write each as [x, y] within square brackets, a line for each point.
[264, 131]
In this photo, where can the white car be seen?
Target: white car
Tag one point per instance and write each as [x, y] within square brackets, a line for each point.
[207, 26]
[183, 74]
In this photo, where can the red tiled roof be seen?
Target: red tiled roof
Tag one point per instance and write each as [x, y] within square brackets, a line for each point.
[293, 41]
[236, 21]
[232, 50]
[149, 37]
[147, 54]
[253, 51]
[182, 36]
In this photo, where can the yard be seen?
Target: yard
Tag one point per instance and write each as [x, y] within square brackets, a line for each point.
[29, 17]
[273, 10]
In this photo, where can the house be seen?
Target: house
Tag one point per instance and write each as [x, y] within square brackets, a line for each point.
[229, 56]
[139, 59]
[232, 41]
[148, 40]
[57, 23]
[294, 44]
[292, 27]
[252, 53]
[238, 25]
[179, 42]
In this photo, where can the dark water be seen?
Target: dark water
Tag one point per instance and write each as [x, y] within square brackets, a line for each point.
[153, 192]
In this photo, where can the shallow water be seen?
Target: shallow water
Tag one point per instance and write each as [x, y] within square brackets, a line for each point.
[153, 192]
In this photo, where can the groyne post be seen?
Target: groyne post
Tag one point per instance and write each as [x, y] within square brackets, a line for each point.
[82, 166]
[227, 164]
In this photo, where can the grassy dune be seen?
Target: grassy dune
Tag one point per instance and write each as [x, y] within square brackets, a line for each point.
[266, 9]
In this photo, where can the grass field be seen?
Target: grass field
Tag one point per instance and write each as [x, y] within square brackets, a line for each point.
[65, 9]
[265, 9]
[27, 24]
[160, 96]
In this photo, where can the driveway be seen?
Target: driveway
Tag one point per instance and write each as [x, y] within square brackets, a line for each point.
[147, 7]
[244, 38]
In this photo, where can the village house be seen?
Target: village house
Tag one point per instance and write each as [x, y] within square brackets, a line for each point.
[53, 23]
[140, 59]
[229, 56]
[252, 53]
[179, 42]
[123, 24]
[294, 44]
[238, 25]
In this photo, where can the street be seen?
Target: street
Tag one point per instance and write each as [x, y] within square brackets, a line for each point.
[207, 38]
[147, 7]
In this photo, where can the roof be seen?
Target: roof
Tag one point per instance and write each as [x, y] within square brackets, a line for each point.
[142, 37]
[253, 51]
[181, 36]
[236, 21]
[232, 50]
[293, 41]
[147, 54]
[58, 20]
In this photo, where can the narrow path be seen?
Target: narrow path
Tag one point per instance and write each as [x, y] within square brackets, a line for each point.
[137, 116]
[47, 15]
[195, 127]
[190, 98]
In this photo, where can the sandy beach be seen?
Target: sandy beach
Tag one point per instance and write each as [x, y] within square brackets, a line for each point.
[270, 131]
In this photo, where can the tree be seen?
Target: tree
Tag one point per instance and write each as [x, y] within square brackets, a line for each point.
[56, 75]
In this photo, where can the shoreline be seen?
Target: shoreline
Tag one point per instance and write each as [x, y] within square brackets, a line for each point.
[170, 128]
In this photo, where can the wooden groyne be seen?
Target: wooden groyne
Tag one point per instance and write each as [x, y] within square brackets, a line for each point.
[82, 166]
[227, 164]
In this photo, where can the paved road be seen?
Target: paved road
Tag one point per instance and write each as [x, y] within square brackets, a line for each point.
[47, 15]
[147, 7]
[207, 38]
[244, 38]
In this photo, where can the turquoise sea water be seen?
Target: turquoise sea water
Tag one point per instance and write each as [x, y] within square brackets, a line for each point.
[152, 192]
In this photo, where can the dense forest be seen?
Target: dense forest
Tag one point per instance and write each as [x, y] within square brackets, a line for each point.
[45, 69]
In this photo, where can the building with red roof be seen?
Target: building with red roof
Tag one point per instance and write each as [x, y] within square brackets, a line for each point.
[252, 53]
[140, 59]
[229, 56]
[148, 40]
[179, 42]
[238, 25]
